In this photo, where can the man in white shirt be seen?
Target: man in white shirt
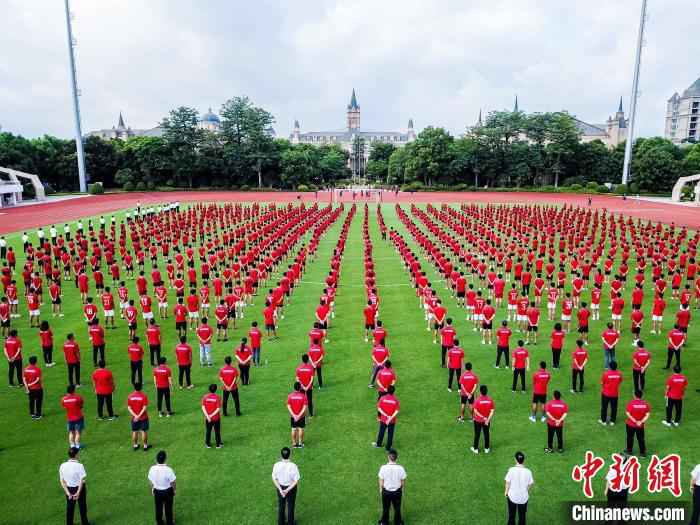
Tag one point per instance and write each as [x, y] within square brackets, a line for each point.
[25, 241]
[66, 232]
[392, 478]
[162, 479]
[72, 476]
[285, 477]
[695, 491]
[518, 482]
[3, 248]
[53, 233]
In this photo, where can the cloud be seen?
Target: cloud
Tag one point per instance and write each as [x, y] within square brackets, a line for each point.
[439, 62]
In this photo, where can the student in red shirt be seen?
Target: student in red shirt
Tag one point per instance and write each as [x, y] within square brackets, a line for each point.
[556, 411]
[269, 316]
[610, 393]
[482, 413]
[180, 313]
[305, 375]
[641, 358]
[533, 320]
[205, 334]
[455, 357]
[557, 342]
[370, 313]
[137, 405]
[255, 336]
[388, 408]
[583, 315]
[521, 363]
[71, 352]
[379, 356]
[676, 340]
[211, 408]
[33, 388]
[579, 358]
[296, 406]
[228, 375]
[322, 316]
[153, 340]
[163, 380]
[103, 381]
[73, 405]
[489, 314]
[316, 355]
[675, 391]
[135, 351]
[244, 356]
[468, 382]
[637, 411]
[610, 339]
[183, 355]
[386, 377]
[540, 382]
[13, 353]
[221, 315]
[503, 344]
[97, 338]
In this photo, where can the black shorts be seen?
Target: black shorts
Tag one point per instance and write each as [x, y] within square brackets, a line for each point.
[539, 398]
[222, 325]
[56, 301]
[269, 326]
[5, 323]
[180, 325]
[461, 294]
[636, 330]
[583, 329]
[301, 423]
[231, 314]
[369, 326]
[132, 326]
[139, 426]
[323, 326]
[438, 326]
[487, 325]
[490, 287]
[532, 328]
[467, 400]
[445, 348]
[154, 348]
[500, 348]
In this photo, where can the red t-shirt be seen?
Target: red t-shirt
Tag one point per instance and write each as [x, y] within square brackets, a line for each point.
[467, 382]
[73, 404]
[520, 356]
[32, 373]
[385, 378]
[162, 375]
[255, 336]
[71, 351]
[676, 385]
[540, 381]
[503, 336]
[483, 405]
[305, 375]
[228, 375]
[204, 333]
[297, 401]
[136, 402]
[135, 352]
[211, 403]
[640, 358]
[637, 408]
[447, 335]
[389, 405]
[183, 354]
[558, 339]
[103, 380]
[610, 338]
[611, 383]
[455, 355]
[555, 409]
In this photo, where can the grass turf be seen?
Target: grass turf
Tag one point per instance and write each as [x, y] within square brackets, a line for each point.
[446, 484]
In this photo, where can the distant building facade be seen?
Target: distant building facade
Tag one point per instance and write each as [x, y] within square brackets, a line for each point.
[347, 138]
[682, 112]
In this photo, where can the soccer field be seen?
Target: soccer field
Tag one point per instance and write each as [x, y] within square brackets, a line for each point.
[446, 483]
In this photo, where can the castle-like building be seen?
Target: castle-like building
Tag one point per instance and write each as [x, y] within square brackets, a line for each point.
[682, 112]
[348, 137]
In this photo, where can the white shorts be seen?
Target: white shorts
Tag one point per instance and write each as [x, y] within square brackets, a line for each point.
[15, 301]
[123, 305]
[109, 313]
[616, 317]
[240, 304]
[565, 317]
[478, 317]
[512, 307]
[521, 318]
[430, 316]
[426, 306]
[147, 315]
[162, 305]
[595, 306]
[657, 317]
[205, 305]
[470, 308]
[551, 306]
[193, 315]
[34, 313]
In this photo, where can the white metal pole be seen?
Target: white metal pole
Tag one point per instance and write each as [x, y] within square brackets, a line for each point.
[76, 104]
[635, 95]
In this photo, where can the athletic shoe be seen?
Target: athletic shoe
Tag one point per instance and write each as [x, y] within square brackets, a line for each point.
[146, 447]
[460, 419]
[135, 448]
[487, 450]
[611, 423]
[220, 446]
[207, 446]
[664, 422]
[449, 390]
[547, 450]
[532, 418]
[543, 419]
[675, 424]
[602, 422]
[476, 451]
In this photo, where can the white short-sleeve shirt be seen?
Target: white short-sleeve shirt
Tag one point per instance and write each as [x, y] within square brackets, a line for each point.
[695, 474]
[520, 479]
[161, 477]
[285, 472]
[72, 472]
[392, 475]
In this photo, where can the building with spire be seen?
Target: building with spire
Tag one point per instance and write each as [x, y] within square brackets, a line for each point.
[353, 133]
[682, 115]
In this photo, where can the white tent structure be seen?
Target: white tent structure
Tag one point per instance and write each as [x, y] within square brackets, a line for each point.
[11, 189]
[682, 181]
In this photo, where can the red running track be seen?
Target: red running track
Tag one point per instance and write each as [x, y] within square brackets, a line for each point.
[33, 216]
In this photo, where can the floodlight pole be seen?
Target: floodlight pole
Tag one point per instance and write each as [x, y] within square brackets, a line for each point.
[635, 95]
[76, 103]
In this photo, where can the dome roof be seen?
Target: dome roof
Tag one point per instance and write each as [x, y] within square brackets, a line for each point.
[693, 90]
[210, 117]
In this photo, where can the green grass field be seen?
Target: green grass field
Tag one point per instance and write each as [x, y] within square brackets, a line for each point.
[446, 483]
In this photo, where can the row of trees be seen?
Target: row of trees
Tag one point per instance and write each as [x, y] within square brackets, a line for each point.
[510, 149]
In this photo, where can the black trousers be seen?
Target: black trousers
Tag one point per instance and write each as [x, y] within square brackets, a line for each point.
[164, 506]
[216, 426]
[669, 357]
[518, 372]
[184, 371]
[136, 370]
[164, 394]
[505, 352]
[103, 399]
[631, 433]
[671, 405]
[319, 376]
[555, 431]
[236, 401]
[375, 371]
[155, 354]
[15, 367]
[576, 377]
[606, 402]
[48, 354]
[454, 373]
[391, 498]
[36, 398]
[389, 429]
[556, 357]
[245, 374]
[74, 373]
[516, 508]
[286, 503]
[639, 379]
[82, 506]
[696, 506]
[478, 429]
[98, 349]
[310, 399]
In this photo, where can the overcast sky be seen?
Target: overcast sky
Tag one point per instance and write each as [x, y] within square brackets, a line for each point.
[439, 62]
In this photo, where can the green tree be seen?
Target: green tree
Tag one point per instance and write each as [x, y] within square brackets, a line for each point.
[430, 156]
[563, 137]
[183, 136]
[101, 160]
[299, 165]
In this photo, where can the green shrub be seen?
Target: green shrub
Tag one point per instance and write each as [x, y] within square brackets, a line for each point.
[575, 187]
[96, 188]
[141, 186]
[302, 187]
[592, 185]
[602, 188]
[129, 186]
[245, 187]
[150, 185]
[621, 189]
[416, 185]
